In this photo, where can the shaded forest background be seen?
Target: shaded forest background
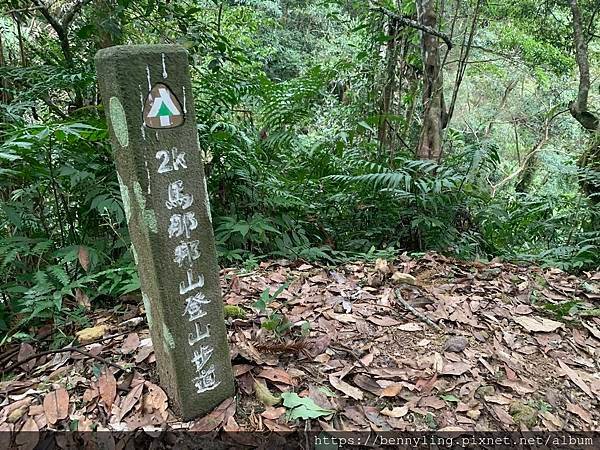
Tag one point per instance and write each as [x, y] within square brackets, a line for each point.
[331, 130]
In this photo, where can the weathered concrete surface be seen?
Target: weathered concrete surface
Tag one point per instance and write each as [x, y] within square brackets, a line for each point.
[164, 194]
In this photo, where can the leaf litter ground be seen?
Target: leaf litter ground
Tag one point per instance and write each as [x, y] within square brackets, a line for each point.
[413, 344]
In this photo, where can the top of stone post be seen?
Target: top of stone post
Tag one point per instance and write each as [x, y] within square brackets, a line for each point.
[127, 51]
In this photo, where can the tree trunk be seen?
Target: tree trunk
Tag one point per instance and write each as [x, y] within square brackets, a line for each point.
[579, 107]
[434, 116]
[590, 159]
[389, 86]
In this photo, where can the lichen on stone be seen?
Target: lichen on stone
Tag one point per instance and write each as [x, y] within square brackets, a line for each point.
[118, 121]
[146, 301]
[125, 197]
[148, 215]
[135, 255]
[206, 201]
[169, 341]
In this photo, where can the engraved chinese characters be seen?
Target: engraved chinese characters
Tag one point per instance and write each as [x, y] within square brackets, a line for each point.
[182, 223]
[166, 204]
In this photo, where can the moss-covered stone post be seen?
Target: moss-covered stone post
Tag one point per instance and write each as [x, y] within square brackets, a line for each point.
[147, 96]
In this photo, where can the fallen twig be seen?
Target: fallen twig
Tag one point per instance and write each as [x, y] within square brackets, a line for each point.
[5, 357]
[68, 349]
[278, 348]
[343, 348]
[9, 354]
[419, 315]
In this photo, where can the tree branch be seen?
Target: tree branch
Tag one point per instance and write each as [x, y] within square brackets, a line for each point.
[414, 24]
[69, 16]
[59, 29]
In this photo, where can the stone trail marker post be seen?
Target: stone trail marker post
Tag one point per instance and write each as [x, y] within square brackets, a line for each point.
[146, 91]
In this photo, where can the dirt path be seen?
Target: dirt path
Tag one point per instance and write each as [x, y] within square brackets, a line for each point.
[479, 347]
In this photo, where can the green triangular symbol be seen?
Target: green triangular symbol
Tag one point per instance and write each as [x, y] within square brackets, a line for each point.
[164, 110]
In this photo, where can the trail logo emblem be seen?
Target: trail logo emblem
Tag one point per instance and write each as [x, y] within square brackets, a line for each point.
[162, 109]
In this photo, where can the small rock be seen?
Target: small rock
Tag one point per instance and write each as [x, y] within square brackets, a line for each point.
[88, 335]
[481, 336]
[375, 280]
[456, 344]
[473, 414]
[524, 414]
[485, 391]
[400, 277]
[338, 308]
[552, 397]
[16, 414]
[381, 265]
[134, 322]
[590, 288]
[490, 274]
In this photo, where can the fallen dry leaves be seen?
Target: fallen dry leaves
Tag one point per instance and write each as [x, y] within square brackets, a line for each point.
[107, 387]
[499, 361]
[56, 405]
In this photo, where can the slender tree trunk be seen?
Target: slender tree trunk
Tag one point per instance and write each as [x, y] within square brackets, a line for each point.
[4, 95]
[389, 86]
[109, 24]
[579, 107]
[590, 159]
[434, 116]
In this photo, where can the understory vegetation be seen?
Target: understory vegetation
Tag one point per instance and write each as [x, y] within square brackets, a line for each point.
[330, 130]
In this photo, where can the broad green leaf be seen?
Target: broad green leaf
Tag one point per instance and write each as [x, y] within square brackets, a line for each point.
[450, 398]
[302, 407]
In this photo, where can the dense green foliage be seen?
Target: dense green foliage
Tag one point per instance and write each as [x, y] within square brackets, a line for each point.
[304, 156]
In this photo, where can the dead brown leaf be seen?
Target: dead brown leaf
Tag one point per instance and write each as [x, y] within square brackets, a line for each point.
[130, 401]
[276, 427]
[519, 386]
[432, 402]
[535, 324]
[383, 321]
[107, 387]
[455, 368]
[82, 299]
[592, 329]
[344, 387]
[367, 383]
[131, 343]
[143, 354]
[213, 420]
[56, 405]
[381, 265]
[241, 369]
[581, 412]
[343, 318]
[155, 399]
[84, 258]
[25, 351]
[392, 390]
[272, 413]
[277, 375]
[503, 415]
[575, 378]
[28, 436]
[410, 326]
[16, 414]
[406, 278]
[397, 412]
[320, 345]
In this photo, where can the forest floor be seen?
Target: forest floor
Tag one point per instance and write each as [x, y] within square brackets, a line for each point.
[414, 344]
